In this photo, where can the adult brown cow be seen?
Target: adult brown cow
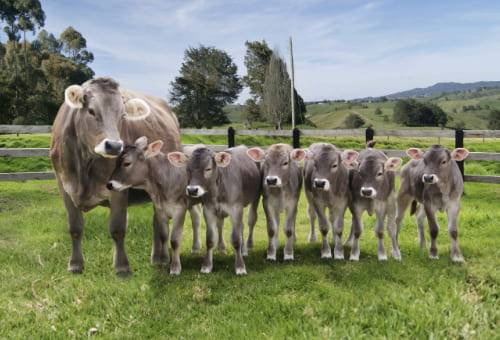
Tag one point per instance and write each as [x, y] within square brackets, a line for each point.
[93, 124]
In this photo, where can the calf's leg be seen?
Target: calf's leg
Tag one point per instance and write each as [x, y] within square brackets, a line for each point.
[324, 227]
[392, 230]
[237, 239]
[252, 220]
[453, 211]
[75, 228]
[118, 229]
[379, 233]
[159, 253]
[210, 221]
[338, 228]
[273, 220]
[291, 214]
[221, 245]
[195, 213]
[357, 228]
[421, 226]
[403, 202]
[312, 219]
[176, 240]
[434, 230]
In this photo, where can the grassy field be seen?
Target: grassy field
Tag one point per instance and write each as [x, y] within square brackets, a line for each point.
[308, 298]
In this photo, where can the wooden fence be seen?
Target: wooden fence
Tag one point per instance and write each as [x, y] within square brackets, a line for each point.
[295, 136]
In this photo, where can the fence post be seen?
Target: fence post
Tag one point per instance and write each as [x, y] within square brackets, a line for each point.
[459, 143]
[369, 133]
[230, 137]
[296, 138]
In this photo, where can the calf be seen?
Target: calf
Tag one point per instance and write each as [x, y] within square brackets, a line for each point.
[326, 183]
[433, 179]
[225, 182]
[373, 189]
[146, 167]
[281, 183]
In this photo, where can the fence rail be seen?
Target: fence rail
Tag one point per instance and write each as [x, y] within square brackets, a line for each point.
[295, 134]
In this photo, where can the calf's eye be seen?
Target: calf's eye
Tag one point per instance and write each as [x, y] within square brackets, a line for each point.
[334, 166]
[126, 164]
[208, 169]
[380, 173]
[443, 162]
[285, 163]
[91, 112]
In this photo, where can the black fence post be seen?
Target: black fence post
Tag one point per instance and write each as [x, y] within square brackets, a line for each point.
[369, 133]
[296, 138]
[459, 143]
[230, 137]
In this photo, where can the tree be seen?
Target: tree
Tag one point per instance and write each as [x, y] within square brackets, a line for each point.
[354, 121]
[378, 111]
[413, 113]
[75, 46]
[494, 120]
[257, 60]
[252, 112]
[276, 95]
[208, 81]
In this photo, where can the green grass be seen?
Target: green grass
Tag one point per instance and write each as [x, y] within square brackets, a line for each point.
[308, 298]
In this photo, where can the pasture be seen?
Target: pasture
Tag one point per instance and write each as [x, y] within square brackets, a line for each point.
[310, 297]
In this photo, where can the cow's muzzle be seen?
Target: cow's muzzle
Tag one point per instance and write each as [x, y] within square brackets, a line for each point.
[430, 179]
[194, 191]
[117, 186]
[273, 181]
[321, 183]
[109, 148]
[368, 192]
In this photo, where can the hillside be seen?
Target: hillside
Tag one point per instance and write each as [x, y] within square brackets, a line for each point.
[443, 88]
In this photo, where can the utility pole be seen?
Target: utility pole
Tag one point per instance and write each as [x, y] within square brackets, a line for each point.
[292, 85]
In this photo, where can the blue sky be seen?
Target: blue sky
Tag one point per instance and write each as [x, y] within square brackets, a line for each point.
[343, 48]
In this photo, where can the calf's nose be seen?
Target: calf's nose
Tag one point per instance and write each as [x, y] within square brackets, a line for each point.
[192, 191]
[367, 192]
[109, 185]
[428, 178]
[271, 180]
[319, 183]
[113, 147]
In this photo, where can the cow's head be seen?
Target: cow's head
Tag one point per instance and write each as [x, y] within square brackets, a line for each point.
[131, 166]
[438, 161]
[372, 174]
[276, 162]
[328, 164]
[201, 167]
[100, 110]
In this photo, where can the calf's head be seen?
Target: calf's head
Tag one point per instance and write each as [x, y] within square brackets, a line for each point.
[132, 165]
[201, 168]
[276, 162]
[328, 164]
[438, 161]
[371, 177]
[100, 110]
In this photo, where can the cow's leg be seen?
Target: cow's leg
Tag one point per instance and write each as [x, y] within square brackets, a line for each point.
[75, 228]
[291, 214]
[324, 227]
[434, 230]
[237, 238]
[252, 220]
[421, 225]
[221, 245]
[195, 213]
[312, 219]
[159, 253]
[210, 221]
[453, 211]
[272, 219]
[403, 202]
[392, 230]
[118, 229]
[357, 229]
[338, 228]
[348, 242]
[176, 239]
[379, 233]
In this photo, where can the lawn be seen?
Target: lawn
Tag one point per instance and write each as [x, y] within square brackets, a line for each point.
[309, 298]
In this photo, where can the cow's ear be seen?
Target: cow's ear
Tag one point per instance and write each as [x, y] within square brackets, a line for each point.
[353, 166]
[153, 149]
[257, 154]
[309, 154]
[141, 143]
[222, 159]
[349, 157]
[136, 109]
[74, 96]
[189, 149]
[415, 153]
[298, 154]
[177, 158]
[459, 154]
[392, 163]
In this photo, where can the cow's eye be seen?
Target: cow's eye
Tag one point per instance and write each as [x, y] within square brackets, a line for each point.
[334, 166]
[92, 112]
[443, 162]
[126, 164]
[208, 169]
[285, 163]
[380, 173]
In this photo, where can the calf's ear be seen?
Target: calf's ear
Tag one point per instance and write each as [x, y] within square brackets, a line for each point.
[257, 154]
[141, 143]
[349, 157]
[74, 96]
[136, 109]
[177, 158]
[459, 154]
[222, 159]
[298, 154]
[415, 153]
[153, 149]
[392, 163]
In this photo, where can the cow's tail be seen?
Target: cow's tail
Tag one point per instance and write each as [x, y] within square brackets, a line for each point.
[414, 206]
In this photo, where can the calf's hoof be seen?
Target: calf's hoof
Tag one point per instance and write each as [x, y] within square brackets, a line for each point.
[396, 255]
[457, 258]
[382, 257]
[326, 255]
[159, 260]
[175, 271]
[288, 257]
[354, 257]
[75, 268]
[206, 269]
[123, 271]
[434, 256]
[339, 255]
[195, 250]
[271, 257]
[241, 271]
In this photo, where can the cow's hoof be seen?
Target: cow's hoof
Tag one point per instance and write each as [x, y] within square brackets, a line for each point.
[326, 255]
[288, 257]
[175, 271]
[339, 256]
[271, 257]
[123, 272]
[354, 257]
[206, 269]
[75, 268]
[434, 256]
[382, 257]
[241, 271]
[244, 252]
[312, 238]
[195, 250]
[159, 261]
[457, 258]
[396, 255]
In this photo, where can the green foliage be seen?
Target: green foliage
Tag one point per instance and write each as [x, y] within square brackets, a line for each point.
[494, 120]
[208, 81]
[378, 111]
[354, 121]
[257, 60]
[252, 113]
[410, 112]
[276, 101]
